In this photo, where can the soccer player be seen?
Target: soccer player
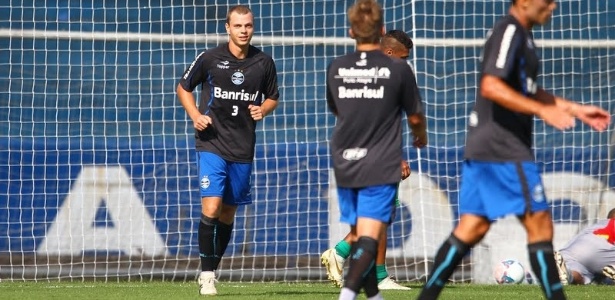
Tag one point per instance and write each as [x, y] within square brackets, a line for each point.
[500, 176]
[394, 43]
[235, 78]
[590, 255]
[368, 91]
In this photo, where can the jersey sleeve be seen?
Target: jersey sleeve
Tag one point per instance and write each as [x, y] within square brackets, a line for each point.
[271, 90]
[502, 50]
[410, 95]
[195, 74]
[330, 99]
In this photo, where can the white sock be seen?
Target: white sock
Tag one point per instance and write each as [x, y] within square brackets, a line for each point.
[347, 294]
[376, 297]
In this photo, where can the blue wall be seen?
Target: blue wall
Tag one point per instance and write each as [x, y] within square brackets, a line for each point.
[289, 215]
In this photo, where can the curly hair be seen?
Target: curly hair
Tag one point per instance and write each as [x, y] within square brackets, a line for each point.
[394, 37]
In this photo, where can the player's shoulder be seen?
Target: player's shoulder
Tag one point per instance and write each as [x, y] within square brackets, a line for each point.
[206, 54]
[509, 24]
[256, 53]
[217, 51]
[343, 60]
[400, 65]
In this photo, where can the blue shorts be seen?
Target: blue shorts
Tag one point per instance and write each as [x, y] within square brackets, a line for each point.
[226, 179]
[374, 202]
[496, 189]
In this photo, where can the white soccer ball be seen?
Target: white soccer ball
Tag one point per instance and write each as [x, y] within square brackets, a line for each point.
[509, 271]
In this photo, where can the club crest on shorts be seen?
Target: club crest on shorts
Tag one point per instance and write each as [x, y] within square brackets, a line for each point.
[205, 182]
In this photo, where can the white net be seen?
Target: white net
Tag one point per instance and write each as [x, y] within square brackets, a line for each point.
[97, 172]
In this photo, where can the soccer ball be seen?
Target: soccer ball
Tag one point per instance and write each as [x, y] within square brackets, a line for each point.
[509, 271]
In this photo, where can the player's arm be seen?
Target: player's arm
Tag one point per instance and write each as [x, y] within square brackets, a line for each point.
[412, 103]
[418, 127]
[329, 97]
[495, 89]
[405, 169]
[191, 78]
[501, 54]
[271, 93]
[596, 117]
[258, 112]
[555, 111]
[186, 98]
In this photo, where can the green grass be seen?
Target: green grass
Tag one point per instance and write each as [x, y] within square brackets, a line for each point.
[267, 291]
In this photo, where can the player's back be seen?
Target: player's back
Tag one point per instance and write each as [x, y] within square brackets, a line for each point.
[367, 90]
[590, 247]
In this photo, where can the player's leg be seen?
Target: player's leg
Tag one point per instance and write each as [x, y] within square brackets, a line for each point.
[208, 226]
[212, 176]
[334, 258]
[609, 271]
[361, 267]
[539, 227]
[562, 269]
[576, 272]
[470, 230]
[385, 282]
[237, 193]
[472, 227]
[609, 266]
[372, 216]
[381, 270]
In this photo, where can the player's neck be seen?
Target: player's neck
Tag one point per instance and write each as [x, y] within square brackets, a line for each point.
[368, 47]
[521, 18]
[240, 52]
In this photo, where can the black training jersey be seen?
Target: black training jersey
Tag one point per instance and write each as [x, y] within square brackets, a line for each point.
[494, 132]
[228, 86]
[368, 91]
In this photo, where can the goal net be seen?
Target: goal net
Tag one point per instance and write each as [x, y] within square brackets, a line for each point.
[97, 163]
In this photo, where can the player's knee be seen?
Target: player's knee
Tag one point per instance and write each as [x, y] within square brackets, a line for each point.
[471, 229]
[227, 213]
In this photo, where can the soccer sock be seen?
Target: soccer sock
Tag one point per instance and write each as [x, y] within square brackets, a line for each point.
[362, 260]
[376, 297]
[381, 272]
[447, 258]
[347, 294]
[543, 264]
[207, 243]
[224, 237]
[343, 249]
[370, 285]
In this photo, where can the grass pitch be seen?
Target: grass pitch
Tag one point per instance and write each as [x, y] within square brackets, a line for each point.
[267, 291]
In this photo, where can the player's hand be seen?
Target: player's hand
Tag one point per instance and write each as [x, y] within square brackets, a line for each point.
[420, 141]
[202, 122]
[405, 169]
[556, 117]
[596, 117]
[255, 112]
